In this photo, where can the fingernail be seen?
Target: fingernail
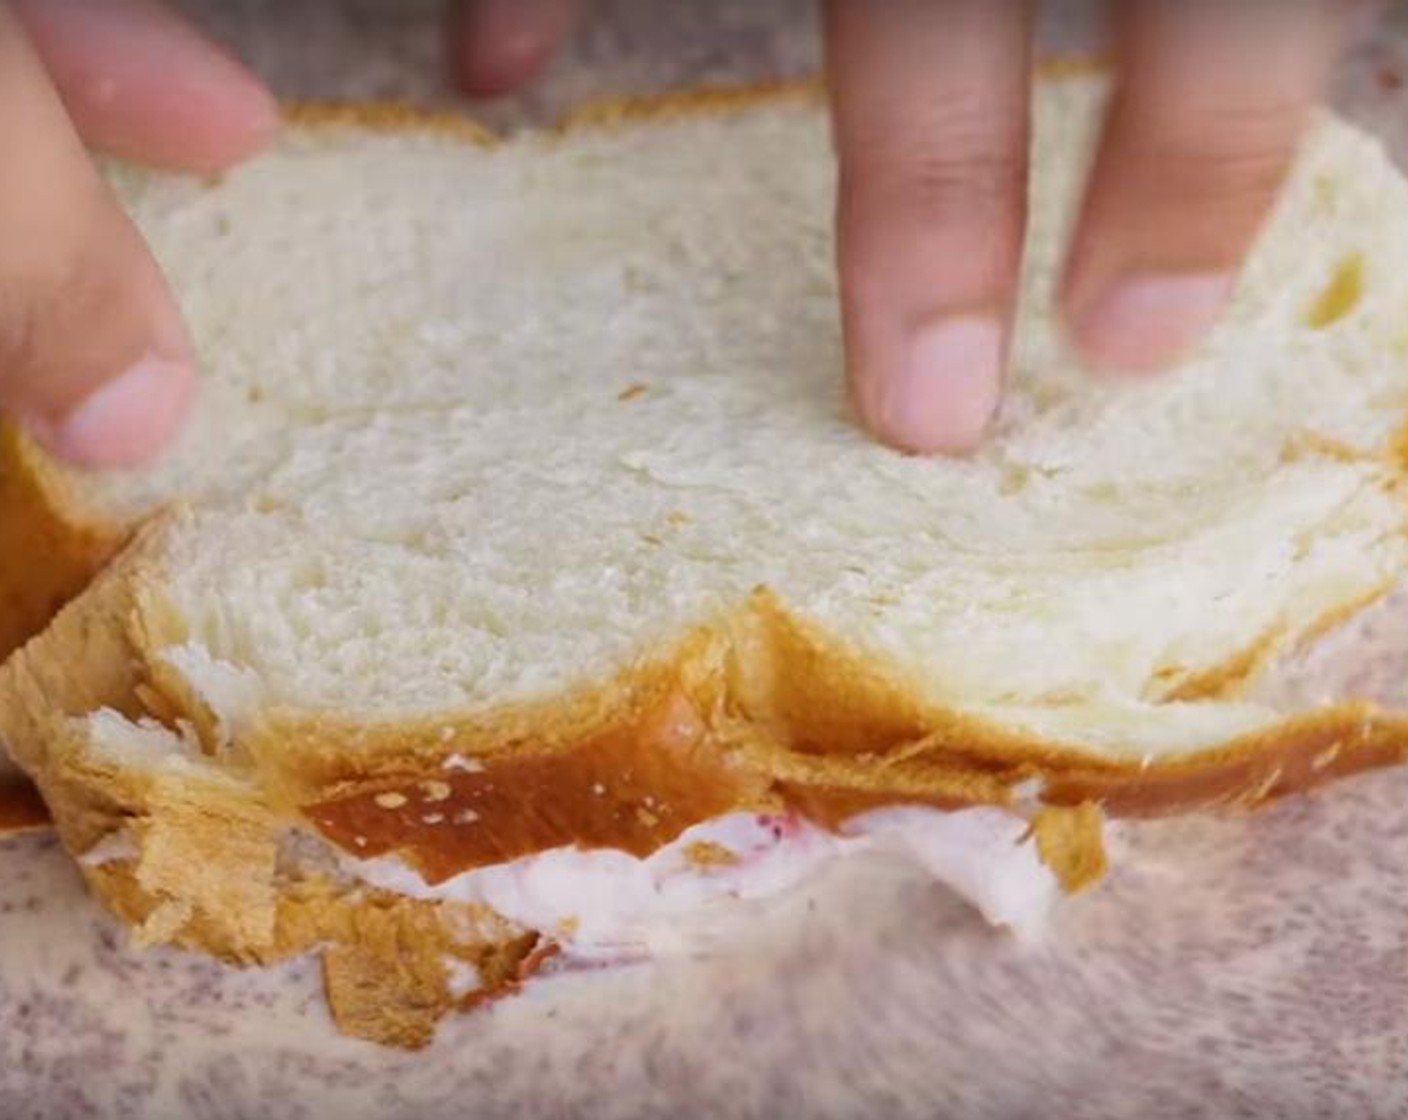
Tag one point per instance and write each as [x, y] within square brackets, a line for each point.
[947, 391]
[125, 422]
[1147, 322]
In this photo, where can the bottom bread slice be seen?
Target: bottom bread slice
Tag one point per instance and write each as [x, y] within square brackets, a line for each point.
[442, 873]
[399, 954]
[392, 966]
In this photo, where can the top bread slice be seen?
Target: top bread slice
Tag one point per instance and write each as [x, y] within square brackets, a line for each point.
[536, 454]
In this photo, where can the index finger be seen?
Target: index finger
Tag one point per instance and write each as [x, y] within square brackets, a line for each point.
[930, 107]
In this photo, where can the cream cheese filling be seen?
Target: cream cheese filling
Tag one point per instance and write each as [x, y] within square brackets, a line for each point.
[602, 905]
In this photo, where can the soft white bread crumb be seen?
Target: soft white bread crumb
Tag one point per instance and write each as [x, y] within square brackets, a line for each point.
[482, 425]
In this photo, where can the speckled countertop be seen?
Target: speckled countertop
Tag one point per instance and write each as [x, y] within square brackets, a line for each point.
[1229, 967]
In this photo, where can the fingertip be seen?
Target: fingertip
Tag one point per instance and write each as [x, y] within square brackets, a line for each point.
[253, 114]
[218, 115]
[140, 83]
[1204, 125]
[240, 126]
[1144, 324]
[940, 395]
[125, 422]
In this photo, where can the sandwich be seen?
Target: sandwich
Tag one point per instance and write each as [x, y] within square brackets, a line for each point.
[523, 585]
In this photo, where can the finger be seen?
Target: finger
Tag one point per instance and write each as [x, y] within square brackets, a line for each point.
[1209, 107]
[1360, 20]
[139, 82]
[930, 107]
[498, 45]
[93, 357]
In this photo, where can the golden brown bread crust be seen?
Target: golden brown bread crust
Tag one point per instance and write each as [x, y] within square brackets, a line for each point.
[21, 808]
[753, 711]
[670, 744]
[51, 549]
[629, 765]
[205, 869]
[384, 957]
[386, 116]
[1070, 842]
[387, 978]
[51, 545]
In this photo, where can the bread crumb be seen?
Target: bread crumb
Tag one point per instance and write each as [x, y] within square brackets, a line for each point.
[391, 800]
[599, 789]
[707, 854]
[360, 841]
[466, 816]
[1325, 758]
[433, 818]
[568, 926]
[632, 391]
[163, 923]
[647, 818]
[1070, 841]
[462, 977]
[435, 791]
[459, 762]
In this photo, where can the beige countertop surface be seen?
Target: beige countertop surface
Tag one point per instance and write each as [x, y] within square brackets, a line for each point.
[1233, 966]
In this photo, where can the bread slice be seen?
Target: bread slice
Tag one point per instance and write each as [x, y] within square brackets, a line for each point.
[523, 518]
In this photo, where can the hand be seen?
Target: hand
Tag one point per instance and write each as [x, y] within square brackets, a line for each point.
[94, 360]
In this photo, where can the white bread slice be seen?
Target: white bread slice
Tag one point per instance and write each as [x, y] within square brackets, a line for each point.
[535, 455]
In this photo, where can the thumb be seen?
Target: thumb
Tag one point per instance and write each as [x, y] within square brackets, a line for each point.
[94, 359]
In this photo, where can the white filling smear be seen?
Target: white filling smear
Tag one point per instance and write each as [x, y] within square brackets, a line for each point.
[116, 847]
[605, 905]
[462, 978]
